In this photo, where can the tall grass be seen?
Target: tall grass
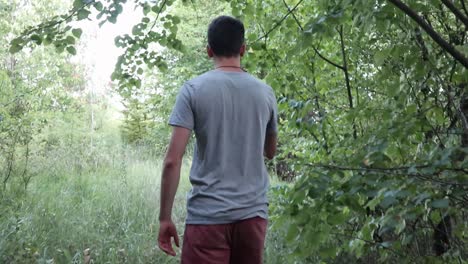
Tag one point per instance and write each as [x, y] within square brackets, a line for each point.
[110, 209]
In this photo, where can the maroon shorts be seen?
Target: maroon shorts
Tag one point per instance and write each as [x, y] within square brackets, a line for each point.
[235, 243]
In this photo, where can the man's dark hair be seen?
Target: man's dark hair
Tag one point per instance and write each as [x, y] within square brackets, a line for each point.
[226, 36]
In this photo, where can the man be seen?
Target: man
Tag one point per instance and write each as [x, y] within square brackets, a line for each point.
[234, 117]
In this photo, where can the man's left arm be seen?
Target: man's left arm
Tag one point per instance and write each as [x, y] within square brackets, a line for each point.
[169, 183]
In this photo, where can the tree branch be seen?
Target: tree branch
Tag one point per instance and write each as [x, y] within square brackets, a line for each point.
[294, 16]
[346, 73]
[464, 6]
[457, 55]
[53, 24]
[279, 22]
[401, 168]
[327, 60]
[157, 16]
[398, 170]
[313, 47]
[456, 12]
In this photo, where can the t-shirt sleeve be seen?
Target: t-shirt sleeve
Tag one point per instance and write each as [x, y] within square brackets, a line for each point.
[182, 113]
[272, 126]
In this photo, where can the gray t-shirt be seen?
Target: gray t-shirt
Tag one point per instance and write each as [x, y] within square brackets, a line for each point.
[230, 113]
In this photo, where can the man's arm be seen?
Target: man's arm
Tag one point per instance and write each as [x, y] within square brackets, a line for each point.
[270, 145]
[169, 183]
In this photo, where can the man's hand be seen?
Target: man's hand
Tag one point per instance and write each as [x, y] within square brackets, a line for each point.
[167, 230]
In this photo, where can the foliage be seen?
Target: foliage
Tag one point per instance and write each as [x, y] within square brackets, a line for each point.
[371, 109]
[34, 86]
[373, 112]
[148, 108]
[110, 210]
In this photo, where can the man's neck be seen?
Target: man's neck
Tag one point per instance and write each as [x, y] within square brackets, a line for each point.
[227, 64]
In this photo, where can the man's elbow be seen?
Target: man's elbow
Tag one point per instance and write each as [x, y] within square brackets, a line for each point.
[171, 163]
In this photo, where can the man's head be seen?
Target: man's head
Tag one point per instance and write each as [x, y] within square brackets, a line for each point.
[226, 37]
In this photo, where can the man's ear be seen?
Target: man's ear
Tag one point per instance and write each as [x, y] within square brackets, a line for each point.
[209, 51]
[242, 50]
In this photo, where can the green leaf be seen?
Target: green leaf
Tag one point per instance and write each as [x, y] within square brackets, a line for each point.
[118, 9]
[337, 219]
[71, 50]
[70, 40]
[292, 233]
[37, 39]
[167, 24]
[77, 4]
[17, 41]
[437, 113]
[98, 6]
[47, 40]
[59, 48]
[400, 226]
[77, 32]
[15, 48]
[83, 14]
[366, 232]
[155, 9]
[374, 202]
[136, 30]
[356, 246]
[440, 203]
[112, 19]
[98, 16]
[328, 252]
[380, 56]
[314, 28]
[435, 216]
[146, 9]
[176, 20]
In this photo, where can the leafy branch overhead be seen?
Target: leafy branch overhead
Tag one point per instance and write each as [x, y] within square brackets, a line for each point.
[140, 52]
[60, 32]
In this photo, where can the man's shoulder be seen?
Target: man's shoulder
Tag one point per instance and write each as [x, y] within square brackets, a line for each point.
[200, 79]
[214, 76]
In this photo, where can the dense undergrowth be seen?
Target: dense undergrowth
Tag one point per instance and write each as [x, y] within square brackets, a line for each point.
[109, 212]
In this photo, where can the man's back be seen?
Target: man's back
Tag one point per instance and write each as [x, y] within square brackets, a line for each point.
[230, 112]
[233, 116]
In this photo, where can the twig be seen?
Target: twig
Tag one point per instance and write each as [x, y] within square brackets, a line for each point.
[457, 55]
[331, 166]
[456, 12]
[464, 7]
[327, 60]
[157, 16]
[313, 47]
[369, 242]
[60, 21]
[294, 16]
[279, 22]
[398, 170]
